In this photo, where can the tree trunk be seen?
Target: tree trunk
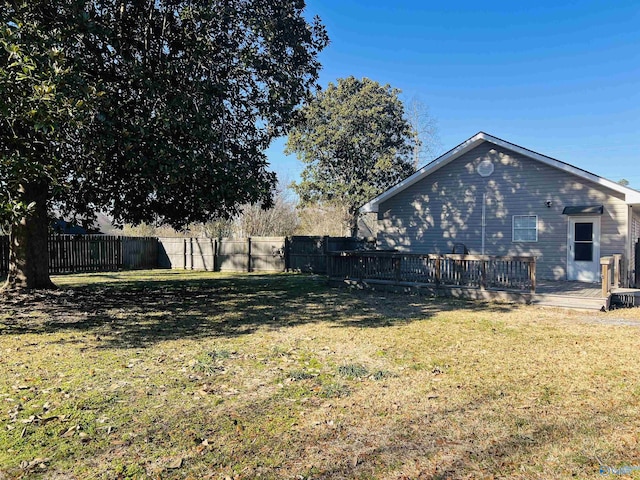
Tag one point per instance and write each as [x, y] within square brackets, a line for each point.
[28, 251]
[355, 216]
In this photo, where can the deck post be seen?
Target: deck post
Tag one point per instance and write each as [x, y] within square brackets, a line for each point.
[483, 274]
[617, 265]
[606, 263]
[532, 275]
[438, 271]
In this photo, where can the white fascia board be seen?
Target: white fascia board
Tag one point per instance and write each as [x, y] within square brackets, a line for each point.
[631, 196]
[439, 162]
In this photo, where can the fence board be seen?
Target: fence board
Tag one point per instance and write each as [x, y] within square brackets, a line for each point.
[91, 253]
[309, 254]
[233, 254]
[137, 252]
[84, 253]
[268, 254]
[171, 253]
[257, 254]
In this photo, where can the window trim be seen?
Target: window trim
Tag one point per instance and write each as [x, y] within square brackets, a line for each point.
[513, 229]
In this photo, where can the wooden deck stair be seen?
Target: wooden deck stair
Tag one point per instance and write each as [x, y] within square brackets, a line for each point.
[565, 294]
[569, 301]
[583, 296]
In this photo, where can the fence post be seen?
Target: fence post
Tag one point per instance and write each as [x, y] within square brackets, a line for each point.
[438, 270]
[119, 254]
[213, 254]
[286, 253]
[483, 274]
[184, 254]
[190, 253]
[325, 251]
[248, 254]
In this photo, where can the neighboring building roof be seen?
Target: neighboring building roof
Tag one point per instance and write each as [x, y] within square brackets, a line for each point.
[61, 227]
[631, 196]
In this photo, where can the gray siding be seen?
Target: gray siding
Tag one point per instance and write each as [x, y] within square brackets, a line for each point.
[446, 208]
[635, 228]
[635, 238]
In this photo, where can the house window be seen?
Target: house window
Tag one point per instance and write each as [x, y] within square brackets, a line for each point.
[525, 228]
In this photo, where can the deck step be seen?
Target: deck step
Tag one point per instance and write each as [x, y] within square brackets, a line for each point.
[565, 301]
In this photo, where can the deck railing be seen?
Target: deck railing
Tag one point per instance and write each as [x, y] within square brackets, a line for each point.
[611, 273]
[476, 271]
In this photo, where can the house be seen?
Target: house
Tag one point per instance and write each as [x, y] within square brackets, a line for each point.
[497, 198]
[61, 227]
[101, 225]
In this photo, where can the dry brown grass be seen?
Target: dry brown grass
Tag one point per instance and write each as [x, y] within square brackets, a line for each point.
[195, 375]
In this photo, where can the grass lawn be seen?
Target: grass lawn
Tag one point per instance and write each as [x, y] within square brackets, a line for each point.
[165, 374]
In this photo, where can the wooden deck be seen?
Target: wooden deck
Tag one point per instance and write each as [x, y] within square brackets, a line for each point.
[549, 293]
[570, 295]
[582, 295]
[478, 277]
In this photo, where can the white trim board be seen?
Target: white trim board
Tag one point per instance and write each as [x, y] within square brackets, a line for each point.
[631, 196]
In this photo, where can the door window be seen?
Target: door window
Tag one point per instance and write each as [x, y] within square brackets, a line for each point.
[583, 242]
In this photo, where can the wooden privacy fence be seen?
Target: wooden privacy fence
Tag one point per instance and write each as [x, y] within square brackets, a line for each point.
[477, 271]
[254, 254]
[309, 253]
[99, 253]
[84, 253]
[92, 253]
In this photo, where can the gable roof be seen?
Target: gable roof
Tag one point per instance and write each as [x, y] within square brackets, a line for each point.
[631, 196]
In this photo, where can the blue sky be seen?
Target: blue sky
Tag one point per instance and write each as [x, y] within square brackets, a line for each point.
[561, 78]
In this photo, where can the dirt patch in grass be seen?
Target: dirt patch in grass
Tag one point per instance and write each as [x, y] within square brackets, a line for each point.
[197, 375]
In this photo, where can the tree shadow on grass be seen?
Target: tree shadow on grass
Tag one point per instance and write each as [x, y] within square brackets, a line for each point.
[136, 313]
[433, 452]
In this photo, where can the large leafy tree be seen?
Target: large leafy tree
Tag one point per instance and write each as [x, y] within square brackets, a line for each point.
[149, 110]
[355, 141]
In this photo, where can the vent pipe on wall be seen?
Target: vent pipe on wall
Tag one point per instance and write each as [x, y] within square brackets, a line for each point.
[484, 218]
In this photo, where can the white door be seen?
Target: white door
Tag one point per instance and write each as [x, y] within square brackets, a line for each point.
[583, 259]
